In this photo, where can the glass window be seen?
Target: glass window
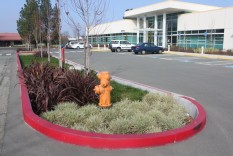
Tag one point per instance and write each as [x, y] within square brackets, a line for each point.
[160, 22]
[150, 22]
[219, 30]
[202, 31]
[195, 32]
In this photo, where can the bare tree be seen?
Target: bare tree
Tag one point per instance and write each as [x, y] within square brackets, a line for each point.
[46, 15]
[90, 13]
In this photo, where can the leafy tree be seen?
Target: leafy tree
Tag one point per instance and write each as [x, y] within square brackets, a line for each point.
[55, 26]
[26, 23]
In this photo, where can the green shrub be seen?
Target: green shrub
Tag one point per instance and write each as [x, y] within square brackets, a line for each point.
[94, 122]
[197, 50]
[155, 113]
[64, 114]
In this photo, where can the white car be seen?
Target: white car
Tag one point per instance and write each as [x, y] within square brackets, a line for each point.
[120, 45]
[76, 45]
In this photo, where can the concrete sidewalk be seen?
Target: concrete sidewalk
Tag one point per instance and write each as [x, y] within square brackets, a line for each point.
[225, 57]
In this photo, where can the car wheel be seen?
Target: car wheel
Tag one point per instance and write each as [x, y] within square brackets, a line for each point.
[143, 52]
[160, 51]
[118, 49]
[78, 47]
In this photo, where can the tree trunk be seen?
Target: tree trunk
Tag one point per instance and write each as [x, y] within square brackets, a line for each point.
[48, 51]
[87, 53]
[48, 43]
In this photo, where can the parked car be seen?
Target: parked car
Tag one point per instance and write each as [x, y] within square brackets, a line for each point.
[76, 45]
[63, 45]
[144, 48]
[120, 45]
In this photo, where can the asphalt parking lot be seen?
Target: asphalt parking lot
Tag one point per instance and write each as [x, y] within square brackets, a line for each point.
[209, 81]
[170, 57]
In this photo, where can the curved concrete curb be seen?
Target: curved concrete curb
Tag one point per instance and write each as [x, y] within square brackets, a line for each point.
[111, 141]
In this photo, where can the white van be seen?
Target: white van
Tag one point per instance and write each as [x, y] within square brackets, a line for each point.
[120, 45]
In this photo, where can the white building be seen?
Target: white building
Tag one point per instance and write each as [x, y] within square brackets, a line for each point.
[171, 22]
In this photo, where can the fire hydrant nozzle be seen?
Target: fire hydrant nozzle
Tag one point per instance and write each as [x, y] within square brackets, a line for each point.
[104, 89]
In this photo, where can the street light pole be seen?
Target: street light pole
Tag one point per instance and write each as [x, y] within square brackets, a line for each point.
[59, 33]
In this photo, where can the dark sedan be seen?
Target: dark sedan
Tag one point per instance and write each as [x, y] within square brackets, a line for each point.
[144, 48]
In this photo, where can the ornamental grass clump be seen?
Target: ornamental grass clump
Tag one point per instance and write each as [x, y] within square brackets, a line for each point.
[155, 113]
[48, 85]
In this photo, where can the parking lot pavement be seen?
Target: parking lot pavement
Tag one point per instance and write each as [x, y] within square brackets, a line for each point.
[192, 59]
[68, 51]
[5, 54]
[214, 62]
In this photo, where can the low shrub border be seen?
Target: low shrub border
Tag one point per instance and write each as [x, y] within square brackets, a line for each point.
[111, 141]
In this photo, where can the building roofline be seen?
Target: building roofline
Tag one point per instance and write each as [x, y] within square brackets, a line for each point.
[166, 5]
[224, 8]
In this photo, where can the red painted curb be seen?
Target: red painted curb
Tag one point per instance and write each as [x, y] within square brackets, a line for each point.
[97, 140]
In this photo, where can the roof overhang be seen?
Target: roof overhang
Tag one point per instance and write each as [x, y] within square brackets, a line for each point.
[10, 37]
[167, 7]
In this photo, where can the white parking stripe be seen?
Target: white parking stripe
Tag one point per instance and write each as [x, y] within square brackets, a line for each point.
[214, 63]
[229, 66]
[0, 54]
[185, 61]
[196, 60]
[166, 59]
[8, 54]
[188, 58]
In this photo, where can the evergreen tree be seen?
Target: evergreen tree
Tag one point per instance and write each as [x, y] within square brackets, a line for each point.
[55, 26]
[38, 22]
[26, 23]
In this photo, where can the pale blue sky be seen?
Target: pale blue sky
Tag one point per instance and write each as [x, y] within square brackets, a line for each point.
[9, 10]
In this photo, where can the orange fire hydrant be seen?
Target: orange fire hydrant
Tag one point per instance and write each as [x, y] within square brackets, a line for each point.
[104, 89]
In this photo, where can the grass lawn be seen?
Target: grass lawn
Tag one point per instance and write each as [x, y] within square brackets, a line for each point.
[121, 92]
[27, 59]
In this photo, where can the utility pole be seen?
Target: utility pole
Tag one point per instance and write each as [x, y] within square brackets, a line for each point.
[59, 33]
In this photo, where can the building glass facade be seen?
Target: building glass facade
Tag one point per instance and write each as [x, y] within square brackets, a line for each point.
[162, 30]
[106, 38]
[171, 28]
[212, 38]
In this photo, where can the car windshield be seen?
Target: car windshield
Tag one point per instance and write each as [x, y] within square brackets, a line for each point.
[73, 42]
[114, 42]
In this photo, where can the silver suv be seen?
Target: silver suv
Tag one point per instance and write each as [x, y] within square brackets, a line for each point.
[120, 45]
